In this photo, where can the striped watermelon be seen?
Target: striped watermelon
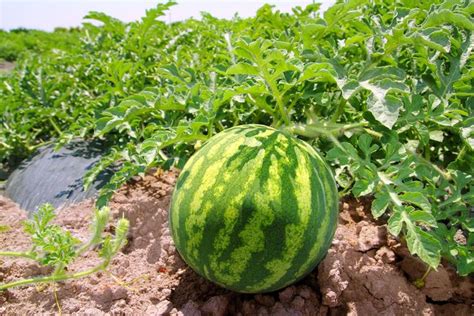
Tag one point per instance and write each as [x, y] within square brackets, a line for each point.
[254, 209]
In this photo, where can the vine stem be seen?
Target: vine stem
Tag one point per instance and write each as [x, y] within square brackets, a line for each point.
[55, 278]
[277, 95]
[56, 299]
[444, 174]
[339, 110]
[328, 129]
[55, 126]
[373, 133]
[17, 254]
[34, 147]
[419, 283]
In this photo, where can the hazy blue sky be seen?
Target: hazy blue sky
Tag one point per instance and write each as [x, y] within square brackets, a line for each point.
[47, 14]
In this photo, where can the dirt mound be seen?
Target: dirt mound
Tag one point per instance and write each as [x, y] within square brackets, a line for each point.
[366, 271]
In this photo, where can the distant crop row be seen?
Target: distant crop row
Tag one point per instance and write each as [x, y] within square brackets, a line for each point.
[19, 43]
[383, 89]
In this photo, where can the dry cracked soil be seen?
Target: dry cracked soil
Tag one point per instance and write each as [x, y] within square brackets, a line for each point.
[366, 272]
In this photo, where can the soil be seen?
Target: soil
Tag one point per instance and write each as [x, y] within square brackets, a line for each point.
[366, 271]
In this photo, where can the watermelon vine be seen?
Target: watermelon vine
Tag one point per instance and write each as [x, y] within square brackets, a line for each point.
[382, 88]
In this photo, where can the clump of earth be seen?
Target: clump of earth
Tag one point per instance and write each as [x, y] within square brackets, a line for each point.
[366, 271]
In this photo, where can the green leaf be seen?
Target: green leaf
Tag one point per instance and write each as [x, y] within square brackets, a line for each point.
[382, 72]
[423, 244]
[339, 155]
[385, 108]
[449, 17]
[243, 69]
[380, 204]
[417, 199]
[468, 135]
[437, 136]
[348, 88]
[464, 260]
[364, 143]
[319, 72]
[423, 217]
[395, 223]
[363, 187]
[343, 178]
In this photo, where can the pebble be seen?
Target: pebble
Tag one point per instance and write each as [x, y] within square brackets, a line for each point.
[120, 293]
[460, 238]
[151, 310]
[121, 303]
[125, 263]
[216, 305]
[94, 280]
[173, 312]
[163, 307]
[249, 307]
[279, 310]
[191, 308]
[298, 303]
[166, 292]
[121, 272]
[386, 255]
[287, 294]
[265, 300]
[371, 237]
[305, 292]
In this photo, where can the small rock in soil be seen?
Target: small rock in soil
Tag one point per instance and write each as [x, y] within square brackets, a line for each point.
[279, 310]
[249, 307]
[265, 300]
[371, 237]
[385, 255]
[216, 306]
[460, 238]
[119, 293]
[151, 310]
[298, 303]
[305, 292]
[191, 308]
[163, 307]
[287, 294]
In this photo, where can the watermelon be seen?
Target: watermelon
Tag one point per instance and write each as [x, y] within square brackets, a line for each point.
[254, 209]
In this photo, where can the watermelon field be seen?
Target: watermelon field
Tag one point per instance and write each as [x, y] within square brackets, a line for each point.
[302, 163]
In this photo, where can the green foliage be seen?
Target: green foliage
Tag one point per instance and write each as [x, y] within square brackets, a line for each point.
[383, 87]
[51, 244]
[55, 247]
[20, 42]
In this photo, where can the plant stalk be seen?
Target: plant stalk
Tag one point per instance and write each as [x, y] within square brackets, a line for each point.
[55, 278]
[330, 130]
[339, 110]
[17, 254]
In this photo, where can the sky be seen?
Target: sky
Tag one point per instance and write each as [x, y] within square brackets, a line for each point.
[48, 14]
